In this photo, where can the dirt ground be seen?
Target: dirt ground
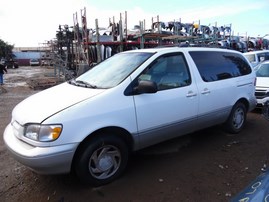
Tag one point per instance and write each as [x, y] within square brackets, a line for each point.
[208, 165]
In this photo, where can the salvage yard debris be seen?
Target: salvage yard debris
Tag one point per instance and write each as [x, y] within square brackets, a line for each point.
[42, 83]
[2, 90]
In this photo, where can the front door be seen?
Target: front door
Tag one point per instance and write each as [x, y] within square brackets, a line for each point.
[172, 111]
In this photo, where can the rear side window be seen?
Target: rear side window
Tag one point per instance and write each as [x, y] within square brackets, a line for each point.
[214, 66]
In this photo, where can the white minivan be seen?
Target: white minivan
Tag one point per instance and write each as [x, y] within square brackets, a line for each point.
[130, 101]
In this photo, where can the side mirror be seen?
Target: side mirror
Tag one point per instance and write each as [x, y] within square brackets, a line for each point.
[146, 86]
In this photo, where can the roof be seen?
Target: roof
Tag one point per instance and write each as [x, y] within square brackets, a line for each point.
[184, 49]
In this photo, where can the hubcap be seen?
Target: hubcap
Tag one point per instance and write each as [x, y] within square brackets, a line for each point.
[238, 118]
[104, 162]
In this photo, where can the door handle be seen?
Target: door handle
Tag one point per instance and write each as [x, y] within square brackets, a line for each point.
[205, 91]
[191, 94]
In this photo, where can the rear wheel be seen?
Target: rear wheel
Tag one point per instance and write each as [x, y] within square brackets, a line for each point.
[237, 118]
[101, 160]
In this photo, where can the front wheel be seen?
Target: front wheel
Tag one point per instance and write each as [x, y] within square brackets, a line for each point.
[265, 110]
[101, 160]
[237, 118]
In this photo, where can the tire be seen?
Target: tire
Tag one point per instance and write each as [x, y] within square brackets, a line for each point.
[237, 118]
[265, 110]
[101, 160]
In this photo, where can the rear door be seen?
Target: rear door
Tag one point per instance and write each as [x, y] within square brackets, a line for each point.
[219, 82]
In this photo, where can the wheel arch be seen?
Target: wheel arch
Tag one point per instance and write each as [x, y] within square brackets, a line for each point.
[114, 131]
[235, 124]
[244, 101]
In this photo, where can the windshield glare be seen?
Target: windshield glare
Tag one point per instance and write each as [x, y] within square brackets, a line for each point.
[263, 70]
[114, 70]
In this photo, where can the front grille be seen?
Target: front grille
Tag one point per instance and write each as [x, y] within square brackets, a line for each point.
[260, 94]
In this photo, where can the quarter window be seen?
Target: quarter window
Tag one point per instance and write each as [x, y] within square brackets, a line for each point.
[214, 66]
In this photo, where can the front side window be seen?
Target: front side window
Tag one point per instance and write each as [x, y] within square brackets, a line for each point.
[113, 70]
[168, 71]
[214, 66]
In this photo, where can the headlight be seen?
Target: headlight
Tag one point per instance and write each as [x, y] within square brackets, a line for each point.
[42, 133]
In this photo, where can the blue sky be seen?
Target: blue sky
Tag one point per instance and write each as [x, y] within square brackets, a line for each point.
[27, 23]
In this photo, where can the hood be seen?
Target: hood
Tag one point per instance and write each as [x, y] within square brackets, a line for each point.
[262, 82]
[41, 105]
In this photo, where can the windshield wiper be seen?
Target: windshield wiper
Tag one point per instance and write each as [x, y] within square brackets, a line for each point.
[72, 81]
[86, 84]
[82, 83]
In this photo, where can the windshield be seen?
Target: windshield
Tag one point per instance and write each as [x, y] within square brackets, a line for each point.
[263, 70]
[114, 70]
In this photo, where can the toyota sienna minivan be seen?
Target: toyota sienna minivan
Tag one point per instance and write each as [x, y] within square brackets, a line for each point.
[130, 101]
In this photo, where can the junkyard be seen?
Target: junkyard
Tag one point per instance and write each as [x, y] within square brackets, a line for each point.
[209, 165]
[101, 126]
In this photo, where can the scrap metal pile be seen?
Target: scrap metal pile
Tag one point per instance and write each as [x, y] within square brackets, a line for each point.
[78, 48]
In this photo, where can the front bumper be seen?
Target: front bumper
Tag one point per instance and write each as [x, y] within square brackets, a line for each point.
[42, 160]
[259, 103]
